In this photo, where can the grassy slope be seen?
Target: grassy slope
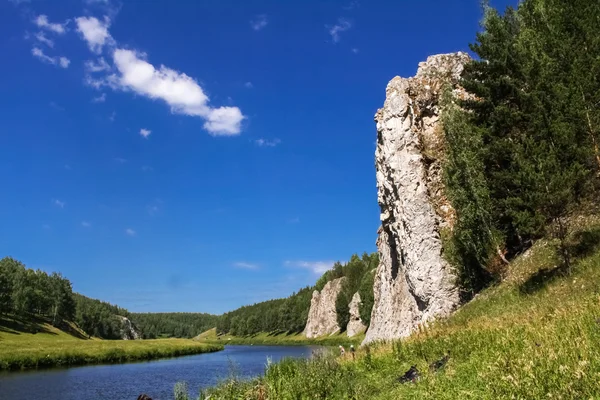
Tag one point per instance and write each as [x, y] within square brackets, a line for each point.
[536, 335]
[264, 338]
[35, 343]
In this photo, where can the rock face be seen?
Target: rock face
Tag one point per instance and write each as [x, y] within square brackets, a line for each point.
[355, 325]
[322, 318]
[128, 330]
[413, 282]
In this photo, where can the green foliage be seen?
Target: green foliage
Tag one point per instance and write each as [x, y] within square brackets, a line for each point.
[367, 296]
[99, 318]
[27, 292]
[354, 271]
[521, 146]
[178, 325]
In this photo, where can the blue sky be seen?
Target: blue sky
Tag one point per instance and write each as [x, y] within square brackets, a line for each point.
[200, 155]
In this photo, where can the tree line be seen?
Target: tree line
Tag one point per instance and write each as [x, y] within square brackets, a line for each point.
[179, 325]
[522, 146]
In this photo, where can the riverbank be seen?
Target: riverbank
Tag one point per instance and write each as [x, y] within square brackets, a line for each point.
[534, 335]
[48, 346]
[280, 339]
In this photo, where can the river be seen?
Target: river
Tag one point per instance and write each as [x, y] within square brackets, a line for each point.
[155, 378]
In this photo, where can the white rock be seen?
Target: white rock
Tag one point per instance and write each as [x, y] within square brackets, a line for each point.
[413, 282]
[322, 317]
[355, 325]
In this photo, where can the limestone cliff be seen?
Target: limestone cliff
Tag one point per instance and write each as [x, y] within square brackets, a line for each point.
[322, 318]
[355, 325]
[413, 282]
[128, 330]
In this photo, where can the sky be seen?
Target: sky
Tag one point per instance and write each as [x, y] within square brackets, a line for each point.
[201, 155]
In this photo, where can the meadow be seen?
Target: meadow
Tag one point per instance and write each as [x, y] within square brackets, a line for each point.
[30, 344]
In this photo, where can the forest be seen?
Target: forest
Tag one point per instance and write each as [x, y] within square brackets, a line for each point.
[522, 152]
[26, 293]
[178, 325]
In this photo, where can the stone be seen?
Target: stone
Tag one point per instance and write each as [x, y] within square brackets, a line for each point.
[322, 317]
[355, 324]
[128, 330]
[413, 282]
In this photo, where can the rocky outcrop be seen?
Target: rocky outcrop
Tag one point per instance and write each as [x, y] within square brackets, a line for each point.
[128, 330]
[413, 282]
[322, 317]
[355, 325]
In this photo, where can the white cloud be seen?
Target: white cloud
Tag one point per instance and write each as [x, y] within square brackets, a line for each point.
[64, 62]
[355, 50]
[245, 265]
[112, 116]
[341, 26]
[86, 224]
[99, 66]
[178, 90]
[61, 61]
[267, 143]
[130, 232]
[145, 133]
[42, 22]
[99, 99]
[248, 85]
[59, 203]
[41, 37]
[95, 32]
[259, 22]
[317, 267]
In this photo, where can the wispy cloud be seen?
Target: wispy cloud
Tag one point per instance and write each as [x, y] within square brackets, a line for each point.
[341, 26]
[145, 133]
[246, 265]
[352, 5]
[248, 85]
[42, 38]
[42, 22]
[86, 224]
[120, 160]
[267, 143]
[99, 99]
[59, 203]
[112, 116]
[259, 22]
[94, 32]
[147, 168]
[63, 62]
[56, 106]
[97, 66]
[317, 267]
[355, 50]
[130, 232]
[294, 220]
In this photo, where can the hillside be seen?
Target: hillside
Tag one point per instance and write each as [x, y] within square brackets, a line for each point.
[534, 335]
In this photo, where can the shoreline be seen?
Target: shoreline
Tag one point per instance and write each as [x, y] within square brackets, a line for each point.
[98, 352]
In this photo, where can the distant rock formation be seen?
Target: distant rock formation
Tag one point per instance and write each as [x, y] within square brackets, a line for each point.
[355, 325]
[128, 330]
[413, 282]
[322, 317]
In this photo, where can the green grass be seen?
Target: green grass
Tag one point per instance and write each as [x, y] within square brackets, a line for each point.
[36, 344]
[279, 339]
[536, 335]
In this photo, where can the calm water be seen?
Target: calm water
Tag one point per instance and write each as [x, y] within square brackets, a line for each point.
[155, 378]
